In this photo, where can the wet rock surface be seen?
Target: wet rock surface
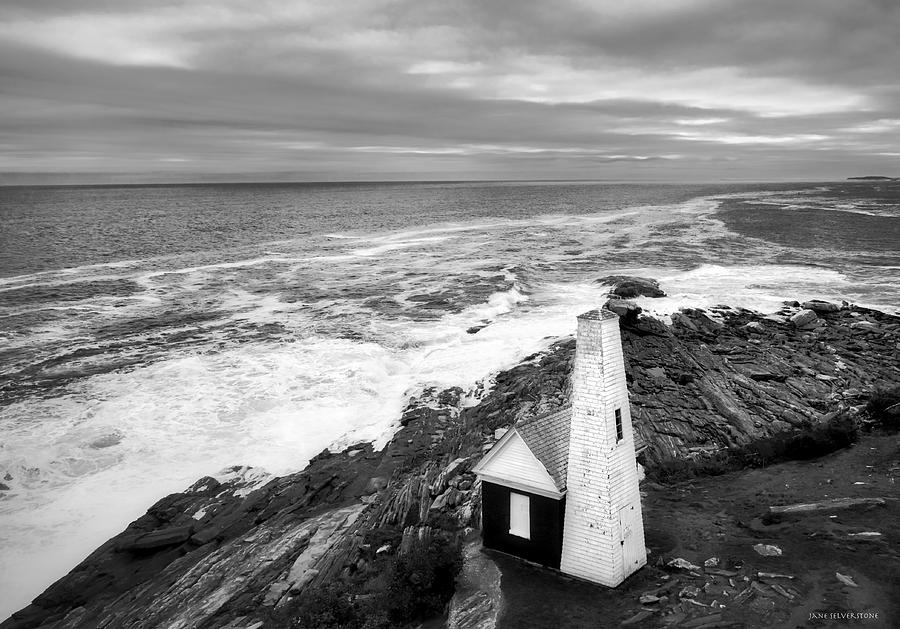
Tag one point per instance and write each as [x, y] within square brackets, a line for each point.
[242, 548]
[629, 286]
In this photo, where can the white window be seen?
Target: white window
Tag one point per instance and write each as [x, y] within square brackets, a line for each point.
[519, 516]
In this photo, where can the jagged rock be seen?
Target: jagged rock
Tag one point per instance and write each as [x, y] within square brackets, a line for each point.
[773, 575]
[843, 578]
[157, 539]
[375, 484]
[411, 415]
[766, 376]
[321, 534]
[690, 591]
[4, 487]
[767, 550]
[453, 468]
[804, 318]
[682, 564]
[712, 562]
[695, 320]
[630, 286]
[478, 599]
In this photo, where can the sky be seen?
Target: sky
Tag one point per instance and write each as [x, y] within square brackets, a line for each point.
[636, 90]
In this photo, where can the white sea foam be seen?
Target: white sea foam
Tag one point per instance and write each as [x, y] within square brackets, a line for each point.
[227, 400]
[398, 244]
[268, 405]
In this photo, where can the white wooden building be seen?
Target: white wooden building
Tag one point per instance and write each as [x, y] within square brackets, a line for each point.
[562, 489]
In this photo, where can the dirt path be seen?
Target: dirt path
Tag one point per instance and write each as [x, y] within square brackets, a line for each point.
[722, 517]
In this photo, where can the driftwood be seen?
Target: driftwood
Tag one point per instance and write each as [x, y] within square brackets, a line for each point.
[827, 505]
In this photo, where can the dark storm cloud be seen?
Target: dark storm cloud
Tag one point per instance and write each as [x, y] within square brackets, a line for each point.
[696, 89]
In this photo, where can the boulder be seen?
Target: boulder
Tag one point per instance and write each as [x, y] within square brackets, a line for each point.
[682, 564]
[767, 550]
[628, 310]
[106, 441]
[629, 286]
[804, 318]
[454, 467]
[820, 307]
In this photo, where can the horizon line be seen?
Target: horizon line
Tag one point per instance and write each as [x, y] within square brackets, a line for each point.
[275, 182]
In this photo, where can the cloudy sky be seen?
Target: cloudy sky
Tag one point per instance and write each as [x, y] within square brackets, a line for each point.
[138, 90]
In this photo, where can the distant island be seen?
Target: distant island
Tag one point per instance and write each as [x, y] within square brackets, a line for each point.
[874, 178]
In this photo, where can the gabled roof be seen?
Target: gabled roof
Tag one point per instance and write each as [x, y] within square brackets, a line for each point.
[547, 436]
[512, 463]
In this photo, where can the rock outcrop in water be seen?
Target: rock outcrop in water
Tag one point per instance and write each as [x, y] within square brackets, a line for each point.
[629, 286]
[239, 551]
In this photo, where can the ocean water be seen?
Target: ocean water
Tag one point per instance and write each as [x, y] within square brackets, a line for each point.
[151, 335]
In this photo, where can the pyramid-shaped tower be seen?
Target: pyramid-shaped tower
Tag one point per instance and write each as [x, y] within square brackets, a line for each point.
[603, 533]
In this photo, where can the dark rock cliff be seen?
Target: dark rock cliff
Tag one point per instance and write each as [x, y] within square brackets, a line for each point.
[237, 551]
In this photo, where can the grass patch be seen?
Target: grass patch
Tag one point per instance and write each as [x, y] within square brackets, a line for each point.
[838, 432]
[396, 591]
[884, 407]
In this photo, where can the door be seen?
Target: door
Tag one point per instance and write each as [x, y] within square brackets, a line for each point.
[633, 554]
[519, 515]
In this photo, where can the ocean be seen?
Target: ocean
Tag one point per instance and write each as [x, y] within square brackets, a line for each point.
[151, 335]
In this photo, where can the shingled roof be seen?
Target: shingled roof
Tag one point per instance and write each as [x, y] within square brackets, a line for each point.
[547, 436]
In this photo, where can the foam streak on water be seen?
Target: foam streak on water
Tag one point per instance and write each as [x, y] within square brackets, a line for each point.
[127, 380]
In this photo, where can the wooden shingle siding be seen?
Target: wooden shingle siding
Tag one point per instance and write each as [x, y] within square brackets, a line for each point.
[547, 436]
[602, 474]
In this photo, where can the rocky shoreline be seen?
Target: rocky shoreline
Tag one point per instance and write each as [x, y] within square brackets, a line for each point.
[244, 550]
